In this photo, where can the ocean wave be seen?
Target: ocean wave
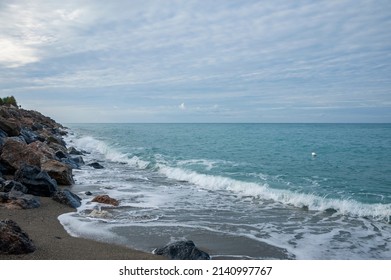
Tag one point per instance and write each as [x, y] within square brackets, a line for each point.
[93, 145]
[263, 191]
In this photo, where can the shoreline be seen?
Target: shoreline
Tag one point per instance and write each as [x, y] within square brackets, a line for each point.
[54, 243]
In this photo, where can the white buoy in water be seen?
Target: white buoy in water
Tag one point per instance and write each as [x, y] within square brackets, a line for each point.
[313, 154]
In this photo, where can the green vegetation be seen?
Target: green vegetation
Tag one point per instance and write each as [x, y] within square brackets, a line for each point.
[9, 100]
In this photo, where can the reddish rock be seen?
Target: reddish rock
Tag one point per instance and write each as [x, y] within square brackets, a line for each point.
[10, 126]
[15, 153]
[106, 200]
[59, 171]
[13, 240]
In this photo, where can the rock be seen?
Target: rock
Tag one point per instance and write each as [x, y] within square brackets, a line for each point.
[68, 198]
[38, 182]
[95, 165]
[77, 159]
[74, 162]
[10, 185]
[105, 199]
[88, 193]
[6, 169]
[55, 139]
[28, 135]
[36, 126]
[182, 250]
[99, 214]
[13, 240]
[42, 150]
[60, 155]
[16, 199]
[73, 151]
[15, 152]
[59, 171]
[3, 135]
[10, 126]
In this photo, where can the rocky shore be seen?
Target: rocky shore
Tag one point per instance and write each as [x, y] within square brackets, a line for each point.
[35, 188]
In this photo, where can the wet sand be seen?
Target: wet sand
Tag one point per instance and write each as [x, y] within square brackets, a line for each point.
[54, 243]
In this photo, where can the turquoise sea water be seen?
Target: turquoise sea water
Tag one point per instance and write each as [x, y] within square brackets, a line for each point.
[246, 184]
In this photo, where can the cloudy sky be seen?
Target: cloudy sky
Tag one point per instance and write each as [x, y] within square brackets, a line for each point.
[198, 61]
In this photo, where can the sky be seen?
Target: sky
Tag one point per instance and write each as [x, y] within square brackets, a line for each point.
[277, 61]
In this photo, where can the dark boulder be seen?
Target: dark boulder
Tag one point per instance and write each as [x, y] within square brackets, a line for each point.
[68, 198]
[6, 169]
[75, 162]
[29, 136]
[60, 154]
[38, 182]
[10, 185]
[182, 250]
[73, 151]
[96, 165]
[13, 240]
[3, 136]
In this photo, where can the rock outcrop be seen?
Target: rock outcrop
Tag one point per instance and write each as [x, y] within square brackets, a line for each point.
[34, 161]
[182, 250]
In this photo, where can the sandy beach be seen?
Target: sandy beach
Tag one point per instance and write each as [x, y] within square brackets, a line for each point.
[54, 243]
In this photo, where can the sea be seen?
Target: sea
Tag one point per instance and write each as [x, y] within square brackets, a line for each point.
[238, 191]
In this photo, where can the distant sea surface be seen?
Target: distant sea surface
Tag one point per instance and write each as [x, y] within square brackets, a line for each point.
[317, 191]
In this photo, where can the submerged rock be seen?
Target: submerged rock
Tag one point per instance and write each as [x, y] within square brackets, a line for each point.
[182, 250]
[99, 214]
[96, 165]
[13, 240]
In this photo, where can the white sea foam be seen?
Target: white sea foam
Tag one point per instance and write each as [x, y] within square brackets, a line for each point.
[93, 145]
[263, 191]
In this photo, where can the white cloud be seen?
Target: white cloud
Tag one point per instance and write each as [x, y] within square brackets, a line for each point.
[14, 54]
[238, 55]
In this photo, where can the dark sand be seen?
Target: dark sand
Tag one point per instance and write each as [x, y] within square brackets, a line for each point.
[54, 243]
